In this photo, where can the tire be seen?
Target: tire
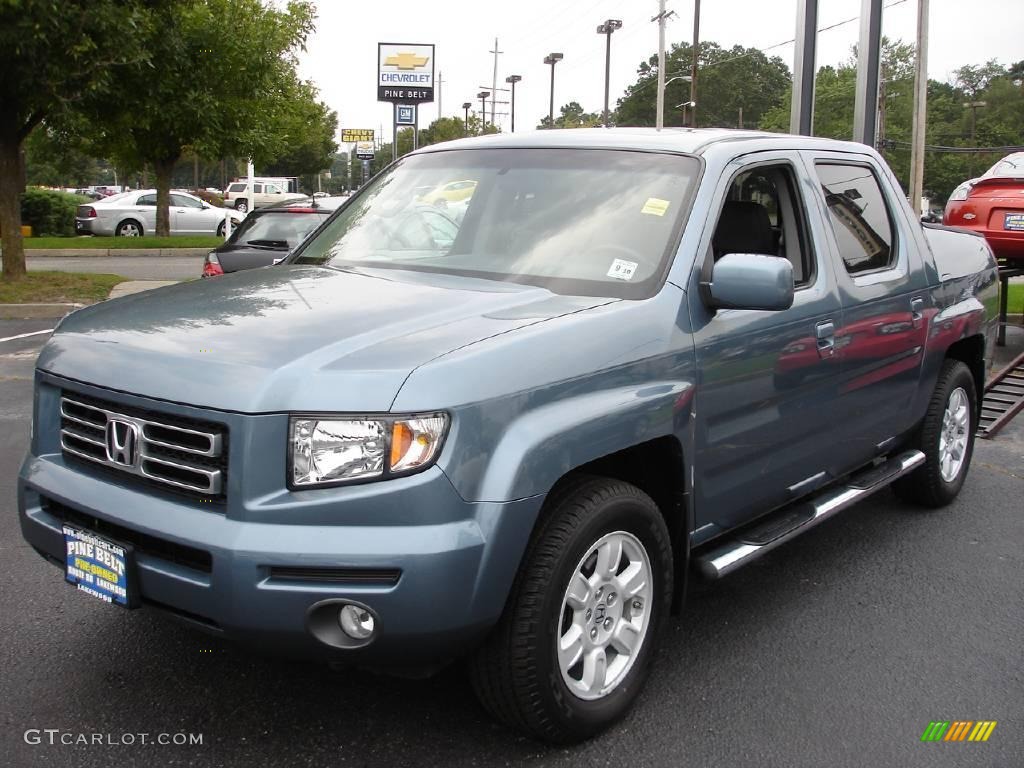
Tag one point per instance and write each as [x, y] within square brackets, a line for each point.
[242, 206]
[517, 674]
[129, 228]
[220, 229]
[937, 482]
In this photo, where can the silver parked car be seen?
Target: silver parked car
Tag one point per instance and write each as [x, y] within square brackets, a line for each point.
[133, 214]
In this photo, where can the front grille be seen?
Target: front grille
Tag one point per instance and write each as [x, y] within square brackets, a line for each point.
[190, 557]
[182, 454]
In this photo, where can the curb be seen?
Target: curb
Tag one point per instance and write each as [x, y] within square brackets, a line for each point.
[36, 311]
[101, 253]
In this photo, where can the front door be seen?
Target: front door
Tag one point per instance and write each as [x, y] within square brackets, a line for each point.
[768, 380]
[188, 217]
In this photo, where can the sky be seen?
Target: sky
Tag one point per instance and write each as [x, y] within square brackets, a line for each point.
[341, 57]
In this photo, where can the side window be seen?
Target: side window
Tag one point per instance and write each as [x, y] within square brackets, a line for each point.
[185, 202]
[146, 200]
[257, 188]
[272, 190]
[762, 214]
[860, 217]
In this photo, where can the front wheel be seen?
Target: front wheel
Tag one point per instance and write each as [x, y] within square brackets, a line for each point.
[574, 645]
[946, 437]
[242, 206]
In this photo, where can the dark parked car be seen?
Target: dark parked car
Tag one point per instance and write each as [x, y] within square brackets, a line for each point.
[265, 236]
[513, 437]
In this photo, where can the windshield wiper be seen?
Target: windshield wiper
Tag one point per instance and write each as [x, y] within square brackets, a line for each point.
[268, 243]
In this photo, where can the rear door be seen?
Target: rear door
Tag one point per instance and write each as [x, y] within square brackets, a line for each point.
[886, 304]
[768, 380]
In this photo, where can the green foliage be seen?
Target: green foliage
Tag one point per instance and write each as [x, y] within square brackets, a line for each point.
[727, 80]
[49, 212]
[572, 115]
[949, 123]
[306, 133]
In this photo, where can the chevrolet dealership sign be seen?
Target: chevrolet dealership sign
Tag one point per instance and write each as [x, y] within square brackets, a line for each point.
[405, 72]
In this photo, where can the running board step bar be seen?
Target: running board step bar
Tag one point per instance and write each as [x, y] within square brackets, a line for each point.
[780, 527]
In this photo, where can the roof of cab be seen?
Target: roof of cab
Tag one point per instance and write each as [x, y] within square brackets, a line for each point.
[684, 140]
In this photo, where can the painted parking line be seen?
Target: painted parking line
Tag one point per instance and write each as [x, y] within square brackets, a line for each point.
[26, 335]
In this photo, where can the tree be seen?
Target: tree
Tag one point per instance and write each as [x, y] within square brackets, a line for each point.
[727, 80]
[307, 133]
[572, 115]
[219, 81]
[55, 53]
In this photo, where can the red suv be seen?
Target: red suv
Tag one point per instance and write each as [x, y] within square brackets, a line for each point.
[993, 204]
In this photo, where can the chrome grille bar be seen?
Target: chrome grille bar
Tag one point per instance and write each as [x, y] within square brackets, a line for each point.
[185, 458]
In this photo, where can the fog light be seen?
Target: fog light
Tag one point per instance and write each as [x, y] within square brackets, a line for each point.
[356, 622]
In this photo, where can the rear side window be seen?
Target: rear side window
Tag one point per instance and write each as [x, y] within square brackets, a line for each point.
[146, 200]
[236, 188]
[860, 217]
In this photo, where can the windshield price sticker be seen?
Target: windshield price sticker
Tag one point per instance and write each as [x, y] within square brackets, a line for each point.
[622, 270]
[655, 206]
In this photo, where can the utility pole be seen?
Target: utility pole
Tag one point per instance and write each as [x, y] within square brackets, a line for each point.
[661, 18]
[494, 81]
[552, 59]
[973, 106]
[512, 80]
[606, 29]
[465, 106]
[920, 108]
[483, 107]
[693, 65]
[440, 86]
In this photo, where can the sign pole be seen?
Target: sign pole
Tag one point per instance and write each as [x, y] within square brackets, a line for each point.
[394, 131]
[415, 128]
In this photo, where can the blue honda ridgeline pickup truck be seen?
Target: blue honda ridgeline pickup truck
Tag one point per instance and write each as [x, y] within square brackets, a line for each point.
[506, 427]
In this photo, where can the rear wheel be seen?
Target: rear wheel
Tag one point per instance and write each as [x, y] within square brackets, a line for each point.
[575, 643]
[946, 437]
[129, 228]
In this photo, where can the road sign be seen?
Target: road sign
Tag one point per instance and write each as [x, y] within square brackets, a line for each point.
[405, 72]
[406, 114]
[364, 150]
[352, 135]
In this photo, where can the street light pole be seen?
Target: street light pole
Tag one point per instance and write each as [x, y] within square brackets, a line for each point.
[512, 80]
[606, 29]
[973, 106]
[483, 109]
[552, 59]
[465, 106]
[693, 66]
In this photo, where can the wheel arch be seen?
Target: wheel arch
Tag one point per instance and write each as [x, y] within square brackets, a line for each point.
[971, 352]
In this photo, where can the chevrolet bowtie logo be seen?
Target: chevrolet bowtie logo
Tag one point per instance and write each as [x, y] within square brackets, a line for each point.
[406, 61]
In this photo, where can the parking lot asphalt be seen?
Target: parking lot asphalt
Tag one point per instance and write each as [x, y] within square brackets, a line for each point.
[837, 650]
[133, 267]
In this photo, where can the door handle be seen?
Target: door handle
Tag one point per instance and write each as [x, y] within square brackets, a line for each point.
[917, 311]
[825, 333]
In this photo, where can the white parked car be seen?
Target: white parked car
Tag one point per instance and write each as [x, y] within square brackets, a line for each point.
[266, 194]
[133, 214]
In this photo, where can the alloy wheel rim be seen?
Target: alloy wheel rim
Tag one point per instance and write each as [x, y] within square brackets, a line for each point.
[953, 435]
[605, 615]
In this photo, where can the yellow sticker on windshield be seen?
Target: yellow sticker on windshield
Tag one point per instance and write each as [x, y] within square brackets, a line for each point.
[655, 206]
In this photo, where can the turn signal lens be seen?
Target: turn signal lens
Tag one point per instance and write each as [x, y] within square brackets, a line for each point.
[414, 442]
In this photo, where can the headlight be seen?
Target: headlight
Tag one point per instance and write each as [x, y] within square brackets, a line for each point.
[328, 451]
[961, 192]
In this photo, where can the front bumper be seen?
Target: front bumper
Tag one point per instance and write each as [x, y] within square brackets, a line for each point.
[454, 560]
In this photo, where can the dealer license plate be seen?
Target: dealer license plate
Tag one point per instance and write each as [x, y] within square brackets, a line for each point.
[99, 567]
[1014, 221]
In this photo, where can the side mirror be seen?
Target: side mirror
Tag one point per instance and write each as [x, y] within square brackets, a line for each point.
[749, 281]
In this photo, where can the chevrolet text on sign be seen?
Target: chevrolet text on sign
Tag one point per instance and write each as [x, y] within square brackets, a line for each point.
[405, 72]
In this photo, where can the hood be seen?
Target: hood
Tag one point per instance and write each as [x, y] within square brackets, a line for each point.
[291, 338]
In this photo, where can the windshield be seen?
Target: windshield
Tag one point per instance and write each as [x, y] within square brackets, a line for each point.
[277, 229]
[575, 221]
